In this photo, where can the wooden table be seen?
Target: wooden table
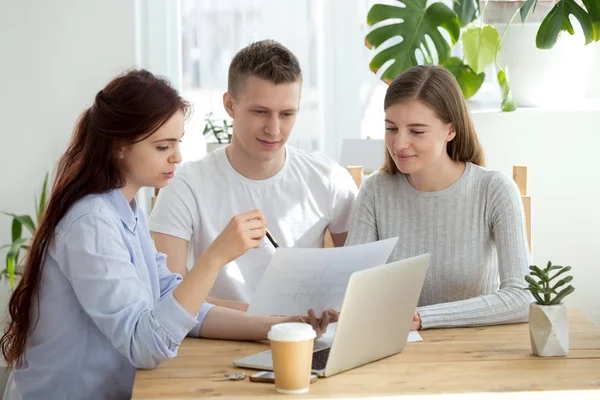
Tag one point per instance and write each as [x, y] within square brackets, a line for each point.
[450, 364]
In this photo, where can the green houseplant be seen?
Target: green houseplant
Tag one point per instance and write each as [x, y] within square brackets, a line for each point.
[20, 244]
[419, 26]
[548, 322]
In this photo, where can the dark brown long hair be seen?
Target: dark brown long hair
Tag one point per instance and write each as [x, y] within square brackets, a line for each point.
[129, 109]
[437, 88]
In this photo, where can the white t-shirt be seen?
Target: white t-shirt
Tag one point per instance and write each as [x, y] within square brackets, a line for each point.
[309, 194]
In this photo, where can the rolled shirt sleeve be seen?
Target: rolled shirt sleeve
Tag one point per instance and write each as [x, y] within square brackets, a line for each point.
[169, 281]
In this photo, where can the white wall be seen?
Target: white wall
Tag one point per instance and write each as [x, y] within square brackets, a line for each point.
[343, 71]
[562, 152]
[55, 56]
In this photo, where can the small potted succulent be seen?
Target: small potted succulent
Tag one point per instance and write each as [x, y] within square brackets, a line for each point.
[548, 320]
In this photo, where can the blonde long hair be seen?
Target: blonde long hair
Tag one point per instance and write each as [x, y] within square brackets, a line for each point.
[437, 88]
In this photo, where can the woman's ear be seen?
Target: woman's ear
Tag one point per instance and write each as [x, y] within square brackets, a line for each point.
[122, 152]
[451, 132]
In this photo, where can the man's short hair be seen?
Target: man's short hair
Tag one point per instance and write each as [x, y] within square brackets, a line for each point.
[266, 59]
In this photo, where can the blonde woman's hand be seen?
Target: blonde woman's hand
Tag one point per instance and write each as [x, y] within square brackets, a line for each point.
[244, 232]
[416, 322]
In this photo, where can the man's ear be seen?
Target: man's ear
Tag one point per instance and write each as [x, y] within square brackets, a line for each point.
[451, 132]
[228, 104]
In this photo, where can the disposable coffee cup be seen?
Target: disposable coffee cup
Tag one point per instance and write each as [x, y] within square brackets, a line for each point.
[292, 348]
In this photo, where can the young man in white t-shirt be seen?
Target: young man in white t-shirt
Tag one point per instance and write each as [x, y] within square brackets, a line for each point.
[301, 194]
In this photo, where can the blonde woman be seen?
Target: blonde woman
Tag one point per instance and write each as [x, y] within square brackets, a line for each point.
[434, 193]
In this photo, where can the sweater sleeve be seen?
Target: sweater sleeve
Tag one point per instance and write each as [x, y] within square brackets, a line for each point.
[510, 304]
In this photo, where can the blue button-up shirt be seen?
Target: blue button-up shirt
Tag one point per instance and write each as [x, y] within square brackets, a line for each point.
[106, 307]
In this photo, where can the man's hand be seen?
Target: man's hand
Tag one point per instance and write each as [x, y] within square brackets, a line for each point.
[244, 232]
[319, 324]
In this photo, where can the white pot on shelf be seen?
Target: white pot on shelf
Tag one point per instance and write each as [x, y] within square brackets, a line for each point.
[560, 75]
[537, 77]
[213, 146]
[549, 330]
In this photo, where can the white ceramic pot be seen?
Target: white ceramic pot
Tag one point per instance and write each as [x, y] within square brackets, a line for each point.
[549, 330]
[213, 146]
[556, 76]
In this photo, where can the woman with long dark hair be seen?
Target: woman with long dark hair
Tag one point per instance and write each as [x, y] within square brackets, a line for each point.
[96, 300]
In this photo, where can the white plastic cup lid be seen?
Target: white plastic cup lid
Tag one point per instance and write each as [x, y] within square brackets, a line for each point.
[291, 332]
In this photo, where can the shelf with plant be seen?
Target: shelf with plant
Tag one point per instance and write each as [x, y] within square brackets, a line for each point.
[400, 32]
[413, 21]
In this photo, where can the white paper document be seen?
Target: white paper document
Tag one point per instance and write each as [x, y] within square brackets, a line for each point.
[299, 279]
[414, 336]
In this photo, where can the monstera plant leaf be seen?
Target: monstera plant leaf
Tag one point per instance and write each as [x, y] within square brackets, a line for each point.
[413, 22]
[468, 80]
[558, 19]
[467, 10]
[593, 9]
[526, 7]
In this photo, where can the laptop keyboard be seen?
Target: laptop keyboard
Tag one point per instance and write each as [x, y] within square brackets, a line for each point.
[319, 359]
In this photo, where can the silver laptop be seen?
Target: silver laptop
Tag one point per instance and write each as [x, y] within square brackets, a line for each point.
[374, 322]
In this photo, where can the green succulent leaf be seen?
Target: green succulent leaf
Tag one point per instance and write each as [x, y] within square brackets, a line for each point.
[537, 298]
[539, 271]
[562, 294]
[533, 283]
[562, 282]
[537, 290]
[565, 269]
[541, 277]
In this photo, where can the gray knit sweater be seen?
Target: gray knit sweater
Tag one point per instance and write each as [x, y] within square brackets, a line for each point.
[475, 233]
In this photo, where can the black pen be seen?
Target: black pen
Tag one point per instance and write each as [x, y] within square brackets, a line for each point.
[270, 237]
